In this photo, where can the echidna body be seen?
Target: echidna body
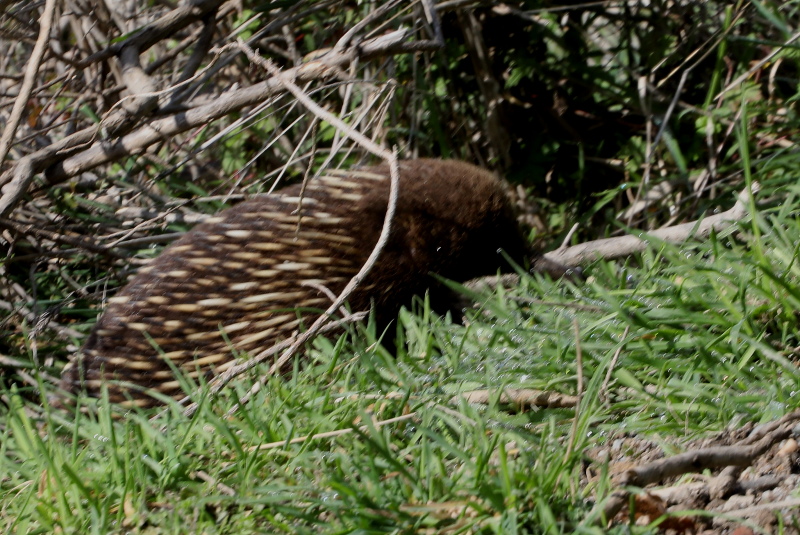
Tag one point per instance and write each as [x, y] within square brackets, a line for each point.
[243, 280]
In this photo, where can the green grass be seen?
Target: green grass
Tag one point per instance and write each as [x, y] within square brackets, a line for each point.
[677, 343]
[706, 335]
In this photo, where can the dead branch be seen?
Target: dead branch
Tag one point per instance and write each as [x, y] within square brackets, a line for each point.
[135, 142]
[76, 241]
[332, 434]
[519, 397]
[45, 23]
[325, 319]
[611, 248]
[740, 454]
[166, 26]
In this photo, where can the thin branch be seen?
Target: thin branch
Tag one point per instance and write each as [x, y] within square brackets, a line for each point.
[62, 162]
[344, 41]
[45, 23]
[758, 65]
[331, 434]
[75, 241]
[286, 81]
[520, 397]
[166, 26]
[740, 454]
[611, 248]
[304, 99]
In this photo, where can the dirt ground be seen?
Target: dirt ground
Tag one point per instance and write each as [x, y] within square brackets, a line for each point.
[741, 482]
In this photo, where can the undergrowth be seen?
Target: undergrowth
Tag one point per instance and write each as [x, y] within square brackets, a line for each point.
[370, 432]
[678, 343]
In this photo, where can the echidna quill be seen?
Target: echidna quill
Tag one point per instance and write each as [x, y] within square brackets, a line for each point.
[239, 282]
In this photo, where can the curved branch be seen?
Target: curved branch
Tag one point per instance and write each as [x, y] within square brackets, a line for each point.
[64, 163]
[45, 23]
[166, 26]
[611, 248]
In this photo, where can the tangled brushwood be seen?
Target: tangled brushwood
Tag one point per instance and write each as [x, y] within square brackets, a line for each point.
[254, 274]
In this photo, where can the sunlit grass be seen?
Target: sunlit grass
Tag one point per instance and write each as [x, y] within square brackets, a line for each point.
[704, 337]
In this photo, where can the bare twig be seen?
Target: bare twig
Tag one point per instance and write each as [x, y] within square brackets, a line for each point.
[568, 237]
[139, 84]
[224, 489]
[741, 454]
[32, 69]
[218, 383]
[611, 248]
[758, 65]
[298, 93]
[75, 241]
[520, 397]
[331, 434]
[62, 165]
[166, 26]
[345, 40]
[496, 129]
[432, 14]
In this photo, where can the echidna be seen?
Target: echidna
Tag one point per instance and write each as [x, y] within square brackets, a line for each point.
[239, 282]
